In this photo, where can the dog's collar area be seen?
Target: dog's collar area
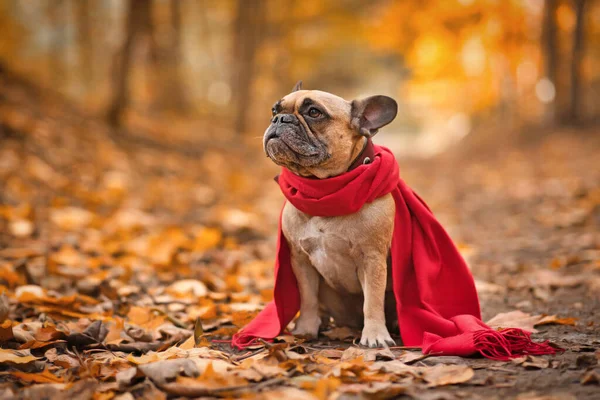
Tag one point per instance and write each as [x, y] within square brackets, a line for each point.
[366, 156]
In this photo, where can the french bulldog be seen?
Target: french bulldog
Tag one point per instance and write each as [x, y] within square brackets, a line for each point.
[340, 263]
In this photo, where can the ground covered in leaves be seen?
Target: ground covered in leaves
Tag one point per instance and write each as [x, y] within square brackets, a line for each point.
[127, 264]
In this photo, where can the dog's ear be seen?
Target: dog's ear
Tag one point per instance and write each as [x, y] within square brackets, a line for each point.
[297, 87]
[372, 113]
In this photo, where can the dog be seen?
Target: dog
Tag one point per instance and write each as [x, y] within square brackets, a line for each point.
[340, 263]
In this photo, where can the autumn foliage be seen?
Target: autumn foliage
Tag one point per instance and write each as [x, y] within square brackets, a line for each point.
[138, 213]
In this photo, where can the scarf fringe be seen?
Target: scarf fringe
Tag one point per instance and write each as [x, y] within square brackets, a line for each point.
[509, 343]
[241, 340]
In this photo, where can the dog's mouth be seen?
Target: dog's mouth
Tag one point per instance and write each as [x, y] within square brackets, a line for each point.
[300, 151]
[287, 144]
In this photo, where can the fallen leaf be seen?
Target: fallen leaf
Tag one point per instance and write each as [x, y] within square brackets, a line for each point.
[163, 371]
[188, 287]
[27, 292]
[4, 307]
[515, 319]
[384, 390]
[39, 377]
[340, 333]
[591, 378]
[71, 218]
[531, 362]
[288, 393]
[352, 353]
[199, 338]
[586, 361]
[125, 377]
[16, 356]
[553, 319]
[61, 360]
[331, 353]
[93, 334]
[6, 331]
[441, 375]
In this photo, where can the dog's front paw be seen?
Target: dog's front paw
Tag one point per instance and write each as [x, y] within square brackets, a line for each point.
[376, 335]
[307, 326]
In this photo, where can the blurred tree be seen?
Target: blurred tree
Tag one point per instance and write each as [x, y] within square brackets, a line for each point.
[166, 57]
[248, 29]
[56, 12]
[139, 22]
[550, 55]
[176, 86]
[461, 60]
[84, 40]
[574, 111]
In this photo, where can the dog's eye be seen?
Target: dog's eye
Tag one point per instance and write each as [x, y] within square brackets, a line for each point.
[314, 113]
[273, 111]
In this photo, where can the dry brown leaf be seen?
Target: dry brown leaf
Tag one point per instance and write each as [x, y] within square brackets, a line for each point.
[441, 375]
[340, 333]
[4, 307]
[16, 356]
[591, 377]
[39, 377]
[6, 331]
[540, 396]
[331, 353]
[125, 377]
[531, 362]
[188, 287]
[352, 353]
[62, 360]
[553, 319]
[384, 390]
[163, 371]
[515, 319]
[396, 367]
[288, 393]
[71, 218]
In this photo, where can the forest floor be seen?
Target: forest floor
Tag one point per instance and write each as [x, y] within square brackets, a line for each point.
[125, 266]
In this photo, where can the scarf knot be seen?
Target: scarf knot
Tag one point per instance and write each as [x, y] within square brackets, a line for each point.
[343, 194]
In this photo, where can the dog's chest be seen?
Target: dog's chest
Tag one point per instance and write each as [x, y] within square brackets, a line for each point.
[335, 246]
[332, 250]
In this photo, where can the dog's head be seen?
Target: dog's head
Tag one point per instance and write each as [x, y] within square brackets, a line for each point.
[315, 133]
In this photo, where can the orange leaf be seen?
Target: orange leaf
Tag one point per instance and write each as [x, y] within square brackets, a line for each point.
[6, 332]
[48, 333]
[553, 319]
[42, 377]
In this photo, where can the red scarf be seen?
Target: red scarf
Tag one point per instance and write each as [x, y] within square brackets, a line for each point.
[437, 303]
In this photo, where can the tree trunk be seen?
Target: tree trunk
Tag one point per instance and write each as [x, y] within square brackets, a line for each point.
[84, 41]
[282, 30]
[574, 111]
[247, 35]
[174, 80]
[550, 53]
[138, 21]
[56, 59]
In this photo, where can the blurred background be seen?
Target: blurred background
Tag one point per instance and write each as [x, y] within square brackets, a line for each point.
[207, 68]
[132, 174]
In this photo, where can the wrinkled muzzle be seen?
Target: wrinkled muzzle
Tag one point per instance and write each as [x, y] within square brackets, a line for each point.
[287, 141]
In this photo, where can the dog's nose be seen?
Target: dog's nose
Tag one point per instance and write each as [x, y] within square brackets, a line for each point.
[284, 119]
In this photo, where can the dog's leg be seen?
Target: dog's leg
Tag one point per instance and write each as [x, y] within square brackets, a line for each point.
[373, 281]
[308, 278]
